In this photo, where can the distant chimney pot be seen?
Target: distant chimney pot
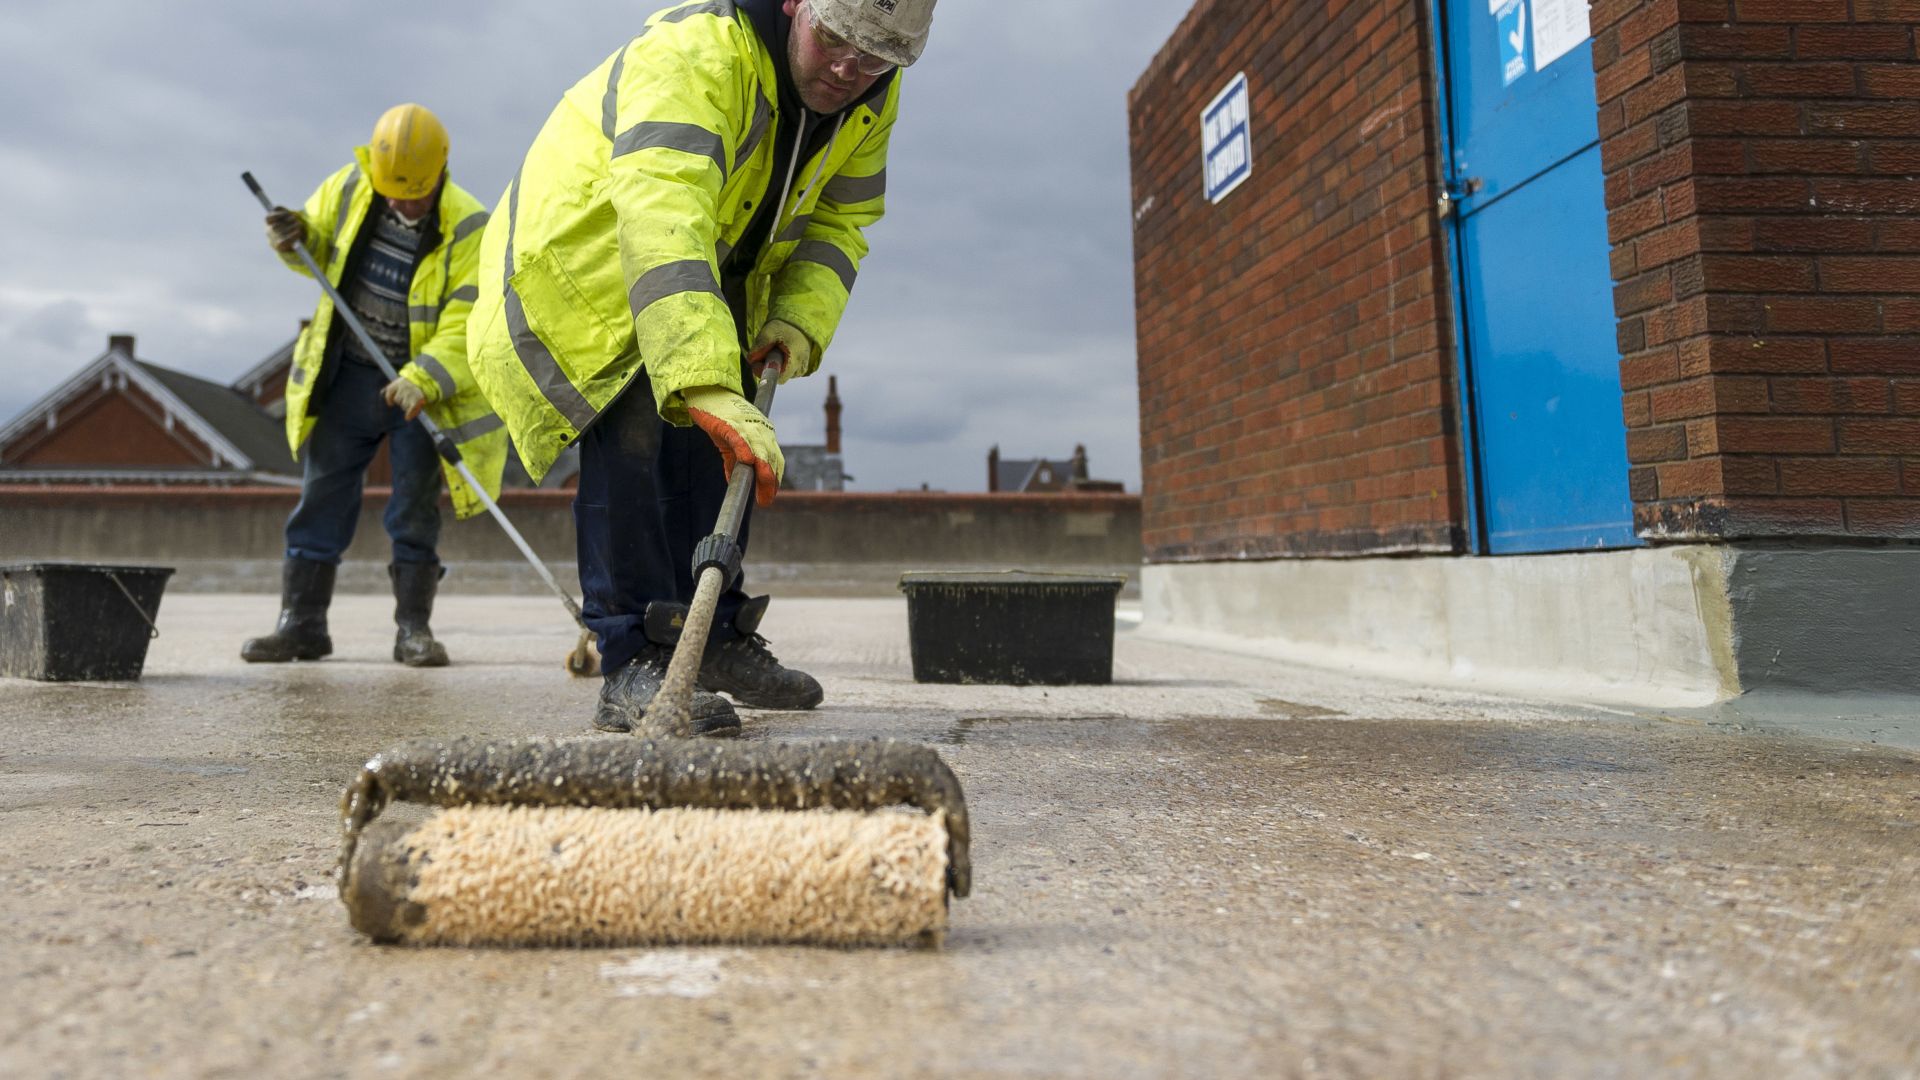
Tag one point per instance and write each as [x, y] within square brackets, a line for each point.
[121, 343]
[833, 414]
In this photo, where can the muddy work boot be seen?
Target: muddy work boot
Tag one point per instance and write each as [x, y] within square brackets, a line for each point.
[745, 669]
[306, 590]
[413, 587]
[625, 695]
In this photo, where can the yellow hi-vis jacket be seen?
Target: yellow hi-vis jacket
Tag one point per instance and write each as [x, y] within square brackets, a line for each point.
[439, 301]
[604, 254]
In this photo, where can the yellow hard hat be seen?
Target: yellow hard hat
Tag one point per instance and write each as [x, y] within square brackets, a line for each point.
[408, 152]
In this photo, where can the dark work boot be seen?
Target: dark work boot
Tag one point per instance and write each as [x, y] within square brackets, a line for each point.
[746, 669]
[306, 590]
[625, 695]
[413, 587]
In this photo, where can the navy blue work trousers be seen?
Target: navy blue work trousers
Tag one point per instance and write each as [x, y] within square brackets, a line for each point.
[649, 492]
[346, 435]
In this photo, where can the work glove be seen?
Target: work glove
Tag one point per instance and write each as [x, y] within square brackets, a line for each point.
[285, 228]
[402, 394]
[742, 434]
[790, 340]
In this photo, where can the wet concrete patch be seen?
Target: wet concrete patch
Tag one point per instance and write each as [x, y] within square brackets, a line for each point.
[1293, 710]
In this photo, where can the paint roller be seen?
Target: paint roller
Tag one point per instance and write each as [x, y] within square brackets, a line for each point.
[613, 841]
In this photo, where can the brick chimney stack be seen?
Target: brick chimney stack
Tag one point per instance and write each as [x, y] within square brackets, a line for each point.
[993, 468]
[121, 343]
[833, 414]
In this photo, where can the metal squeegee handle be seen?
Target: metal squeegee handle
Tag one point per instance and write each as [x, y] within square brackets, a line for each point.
[441, 443]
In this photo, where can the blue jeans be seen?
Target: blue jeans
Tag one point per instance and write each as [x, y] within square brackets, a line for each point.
[648, 493]
[346, 435]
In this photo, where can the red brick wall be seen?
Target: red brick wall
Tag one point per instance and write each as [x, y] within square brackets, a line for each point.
[1761, 159]
[110, 428]
[1295, 358]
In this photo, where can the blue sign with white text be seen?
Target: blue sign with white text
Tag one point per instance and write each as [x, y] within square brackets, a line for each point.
[1226, 140]
[1510, 17]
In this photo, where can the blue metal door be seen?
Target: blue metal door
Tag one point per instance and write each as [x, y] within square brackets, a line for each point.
[1529, 222]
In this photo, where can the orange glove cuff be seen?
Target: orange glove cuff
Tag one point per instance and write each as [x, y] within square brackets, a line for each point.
[733, 451]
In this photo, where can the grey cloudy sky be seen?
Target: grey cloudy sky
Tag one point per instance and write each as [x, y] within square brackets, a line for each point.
[996, 307]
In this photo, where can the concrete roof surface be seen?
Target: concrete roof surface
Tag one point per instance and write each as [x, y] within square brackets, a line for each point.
[1217, 866]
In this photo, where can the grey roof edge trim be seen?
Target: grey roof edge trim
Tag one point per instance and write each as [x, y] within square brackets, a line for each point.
[54, 398]
[196, 423]
[184, 477]
[258, 373]
[79, 381]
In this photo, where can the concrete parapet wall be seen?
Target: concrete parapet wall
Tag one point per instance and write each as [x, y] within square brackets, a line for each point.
[1614, 626]
[1672, 626]
[807, 542]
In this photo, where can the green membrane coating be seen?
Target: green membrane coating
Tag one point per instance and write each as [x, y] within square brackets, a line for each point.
[620, 772]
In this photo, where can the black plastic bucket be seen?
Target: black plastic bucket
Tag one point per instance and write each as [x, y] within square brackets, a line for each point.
[62, 622]
[1016, 627]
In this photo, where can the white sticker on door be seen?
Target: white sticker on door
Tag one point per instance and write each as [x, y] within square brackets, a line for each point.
[1559, 26]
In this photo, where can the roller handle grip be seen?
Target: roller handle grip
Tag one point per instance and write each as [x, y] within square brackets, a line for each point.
[258, 191]
[733, 507]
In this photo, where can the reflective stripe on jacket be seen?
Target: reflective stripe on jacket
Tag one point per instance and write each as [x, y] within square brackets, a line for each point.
[439, 301]
[605, 252]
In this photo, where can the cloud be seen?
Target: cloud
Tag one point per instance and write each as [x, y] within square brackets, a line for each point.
[997, 306]
[60, 325]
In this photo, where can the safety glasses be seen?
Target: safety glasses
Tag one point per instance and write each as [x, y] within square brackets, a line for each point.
[839, 50]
